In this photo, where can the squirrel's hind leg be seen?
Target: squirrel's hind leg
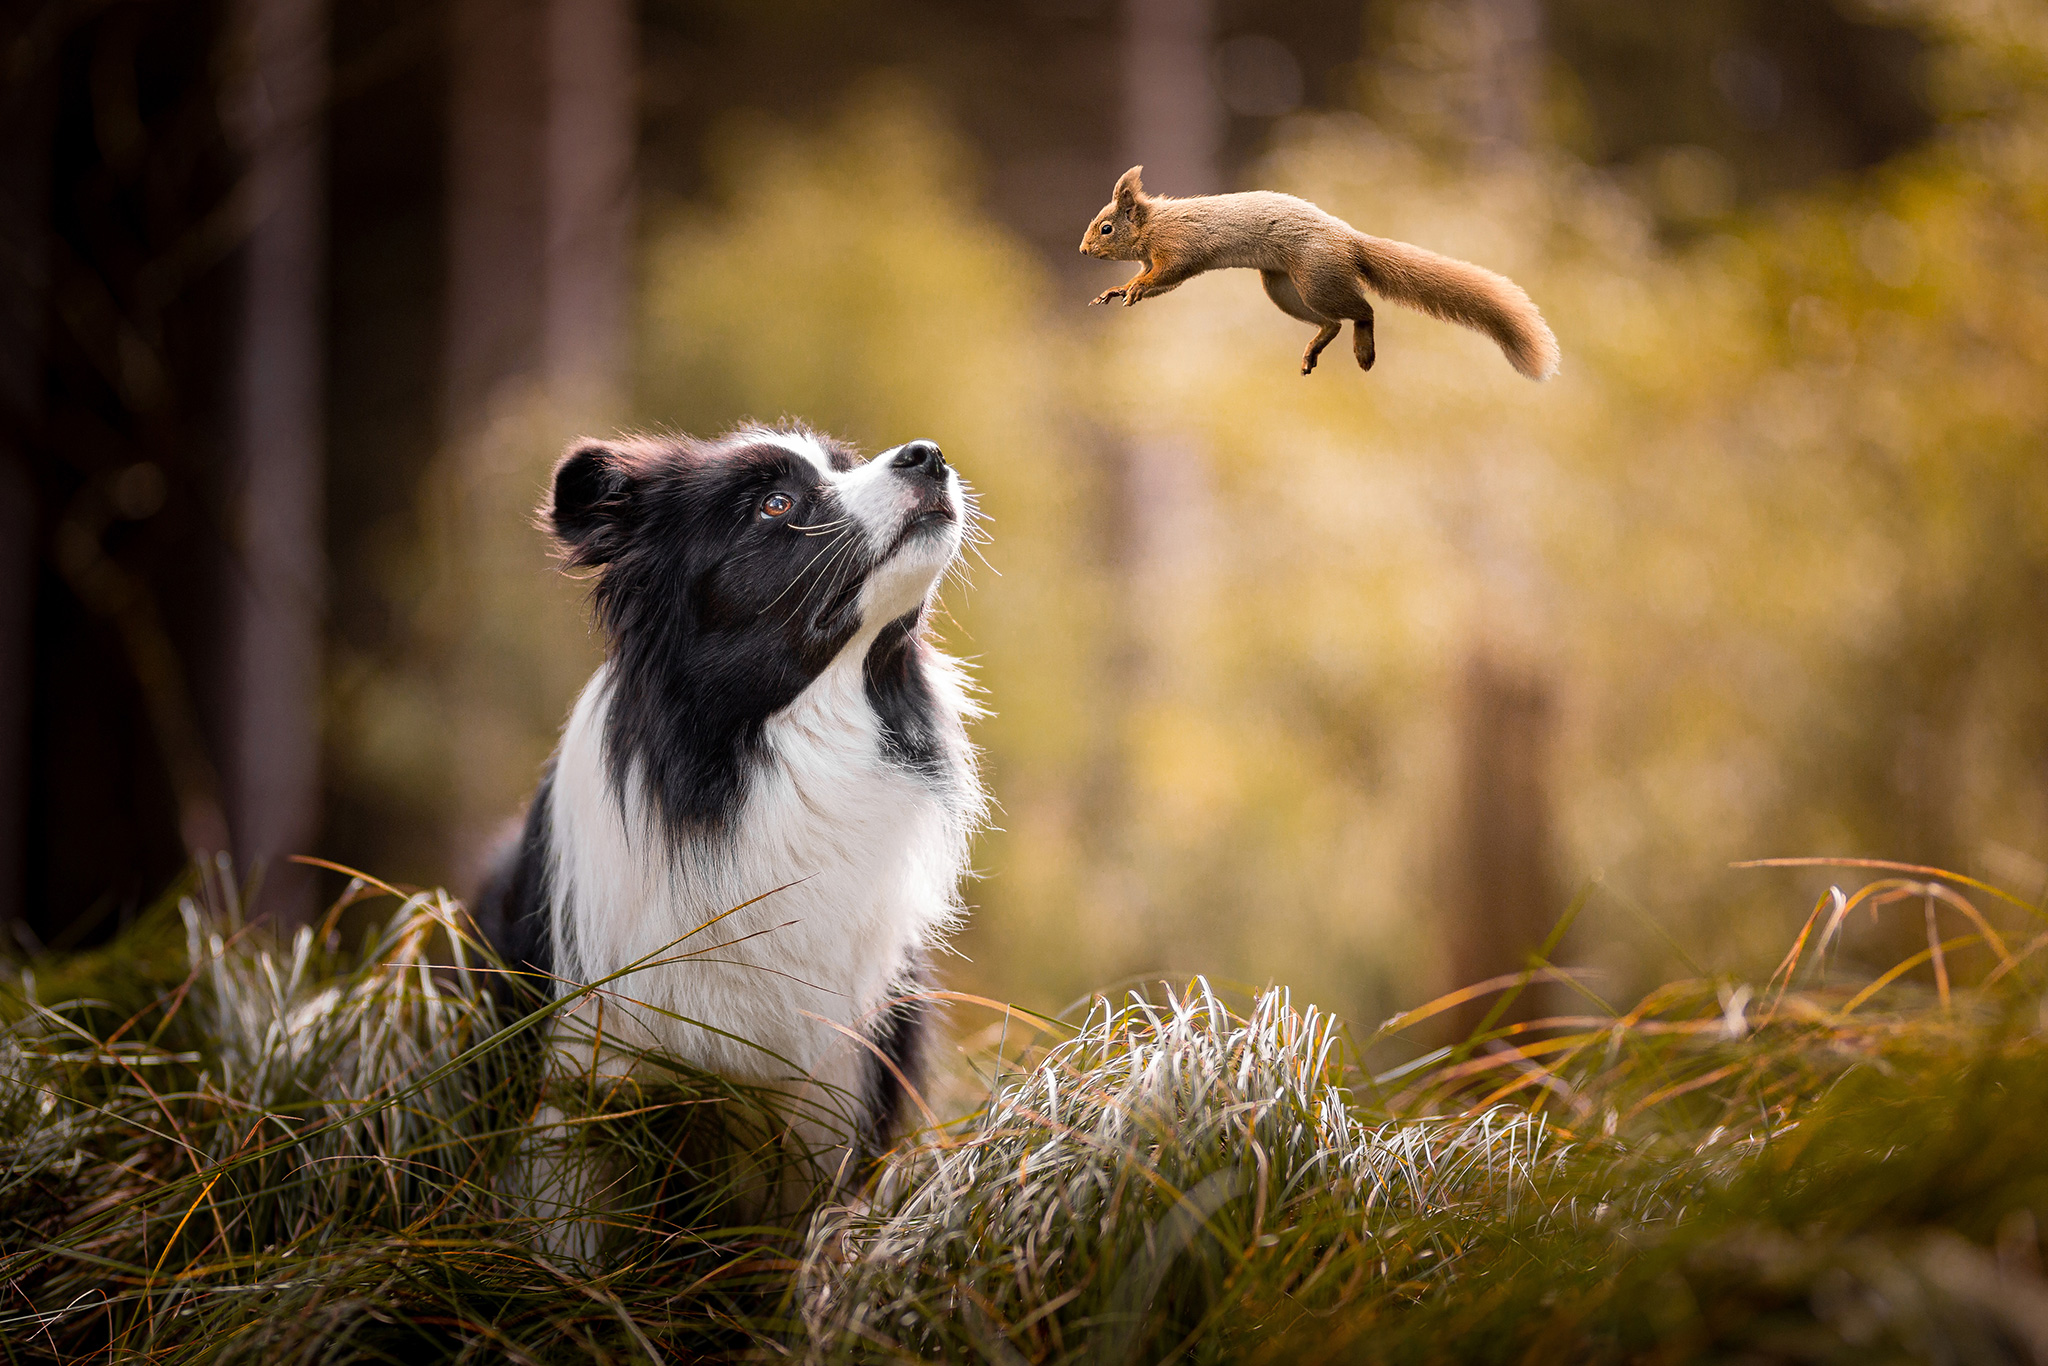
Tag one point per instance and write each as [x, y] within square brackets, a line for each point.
[1280, 288]
[1323, 338]
[1342, 295]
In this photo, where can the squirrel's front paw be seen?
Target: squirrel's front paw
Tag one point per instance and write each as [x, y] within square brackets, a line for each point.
[1132, 293]
[1106, 295]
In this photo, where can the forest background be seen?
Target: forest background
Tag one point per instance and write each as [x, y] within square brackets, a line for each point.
[1353, 682]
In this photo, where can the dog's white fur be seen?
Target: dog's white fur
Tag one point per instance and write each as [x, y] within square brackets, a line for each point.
[845, 866]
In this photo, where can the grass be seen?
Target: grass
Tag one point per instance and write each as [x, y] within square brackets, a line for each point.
[217, 1148]
[290, 1153]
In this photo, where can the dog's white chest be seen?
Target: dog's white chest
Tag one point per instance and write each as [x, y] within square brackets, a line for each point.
[839, 870]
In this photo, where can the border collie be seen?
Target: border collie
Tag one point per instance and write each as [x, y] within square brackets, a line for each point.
[764, 796]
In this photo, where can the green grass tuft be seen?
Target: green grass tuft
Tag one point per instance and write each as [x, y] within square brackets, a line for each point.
[1827, 1174]
[294, 1154]
[218, 1148]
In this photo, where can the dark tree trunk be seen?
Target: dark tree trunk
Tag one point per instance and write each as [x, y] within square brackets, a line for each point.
[1504, 899]
[124, 443]
[1155, 532]
[1505, 82]
[542, 135]
[1173, 119]
[589, 174]
[277, 574]
[498, 92]
[28, 104]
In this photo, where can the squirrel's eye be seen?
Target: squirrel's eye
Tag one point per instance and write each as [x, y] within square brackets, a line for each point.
[777, 505]
[1108, 228]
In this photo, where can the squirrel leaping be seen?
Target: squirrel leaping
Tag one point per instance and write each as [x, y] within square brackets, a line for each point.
[1316, 267]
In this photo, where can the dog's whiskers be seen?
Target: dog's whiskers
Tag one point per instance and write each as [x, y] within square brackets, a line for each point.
[797, 577]
[840, 556]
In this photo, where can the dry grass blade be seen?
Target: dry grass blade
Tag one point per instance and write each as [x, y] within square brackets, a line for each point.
[291, 1151]
[1683, 1179]
[219, 1149]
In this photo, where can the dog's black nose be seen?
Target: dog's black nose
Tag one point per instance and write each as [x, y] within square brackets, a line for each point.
[922, 456]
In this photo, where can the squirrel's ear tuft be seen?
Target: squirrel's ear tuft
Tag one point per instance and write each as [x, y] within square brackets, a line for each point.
[1129, 186]
[590, 508]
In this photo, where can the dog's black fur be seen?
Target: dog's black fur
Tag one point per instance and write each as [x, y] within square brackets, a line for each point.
[718, 616]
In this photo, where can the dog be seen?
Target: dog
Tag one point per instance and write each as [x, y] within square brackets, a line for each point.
[762, 803]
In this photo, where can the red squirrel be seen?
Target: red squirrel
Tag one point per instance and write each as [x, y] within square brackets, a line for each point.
[1316, 267]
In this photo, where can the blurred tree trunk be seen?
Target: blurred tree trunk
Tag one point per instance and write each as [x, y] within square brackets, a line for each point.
[498, 99]
[542, 133]
[1503, 895]
[1503, 898]
[1173, 126]
[1158, 524]
[542, 137]
[498, 195]
[1506, 77]
[277, 574]
[1173, 119]
[28, 104]
[591, 134]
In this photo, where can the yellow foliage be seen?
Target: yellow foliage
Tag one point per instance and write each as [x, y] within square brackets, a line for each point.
[1778, 534]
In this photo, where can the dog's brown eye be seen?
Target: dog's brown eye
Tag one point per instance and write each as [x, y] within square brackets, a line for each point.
[777, 505]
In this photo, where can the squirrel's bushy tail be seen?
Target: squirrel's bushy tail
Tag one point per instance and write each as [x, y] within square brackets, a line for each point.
[1460, 292]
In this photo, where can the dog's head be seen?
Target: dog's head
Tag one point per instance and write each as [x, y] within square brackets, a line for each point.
[731, 574]
[782, 542]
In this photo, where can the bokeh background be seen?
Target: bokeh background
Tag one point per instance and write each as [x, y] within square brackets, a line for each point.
[1353, 682]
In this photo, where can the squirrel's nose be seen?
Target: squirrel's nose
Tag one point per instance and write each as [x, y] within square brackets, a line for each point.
[920, 456]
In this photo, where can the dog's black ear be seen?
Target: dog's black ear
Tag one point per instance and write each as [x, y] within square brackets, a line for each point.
[591, 510]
